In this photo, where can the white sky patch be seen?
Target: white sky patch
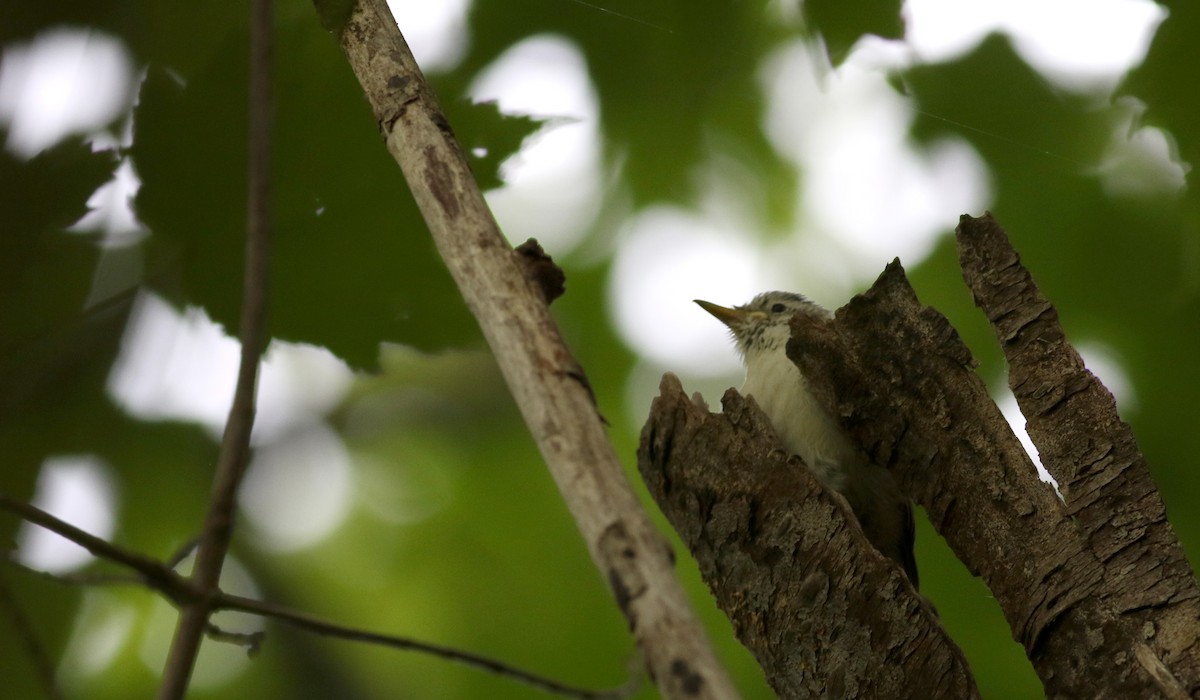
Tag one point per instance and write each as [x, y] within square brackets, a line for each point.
[110, 210]
[297, 491]
[79, 490]
[1084, 45]
[182, 366]
[101, 630]
[65, 81]
[1105, 363]
[437, 32]
[552, 185]
[1012, 413]
[1142, 161]
[865, 187]
[668, 257]
[174, 366]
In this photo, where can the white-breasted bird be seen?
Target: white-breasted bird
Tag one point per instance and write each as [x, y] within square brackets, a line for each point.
[761, 330]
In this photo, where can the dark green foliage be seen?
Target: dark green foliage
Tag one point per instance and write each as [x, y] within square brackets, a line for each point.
[333, 13]
[842, 23]
[353, 264]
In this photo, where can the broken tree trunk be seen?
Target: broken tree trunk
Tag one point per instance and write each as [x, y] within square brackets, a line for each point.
[1093, 584]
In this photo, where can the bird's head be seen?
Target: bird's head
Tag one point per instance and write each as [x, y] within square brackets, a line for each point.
[762, 324]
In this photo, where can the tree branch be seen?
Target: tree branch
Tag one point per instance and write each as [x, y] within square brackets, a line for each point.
[1145, 595]
[153, 573]
[181, 592]
[825, 614]
[235, 444]
[315, 625]
[538, 367]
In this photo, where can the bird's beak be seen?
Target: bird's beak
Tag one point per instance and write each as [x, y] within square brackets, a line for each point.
[724, 315]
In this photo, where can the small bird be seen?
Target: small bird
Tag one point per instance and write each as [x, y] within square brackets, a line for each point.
[761, 330]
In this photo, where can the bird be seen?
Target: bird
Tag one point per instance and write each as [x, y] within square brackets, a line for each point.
[761, 330]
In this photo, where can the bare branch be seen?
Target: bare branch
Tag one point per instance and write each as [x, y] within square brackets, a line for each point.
[315, 625]
[1144, 594]
[153, 573]
[235, 444]
[252, 641]
[538, 367]
[180, 592]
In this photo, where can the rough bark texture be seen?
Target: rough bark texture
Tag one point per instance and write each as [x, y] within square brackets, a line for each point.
[902, 383]
[544, 378]
[1096, 588]
[824, 613]
[1137, 597]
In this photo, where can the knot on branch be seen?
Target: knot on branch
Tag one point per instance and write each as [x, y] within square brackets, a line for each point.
[540, 268]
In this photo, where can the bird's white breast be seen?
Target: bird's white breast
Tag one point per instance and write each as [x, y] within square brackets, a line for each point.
[801, 424]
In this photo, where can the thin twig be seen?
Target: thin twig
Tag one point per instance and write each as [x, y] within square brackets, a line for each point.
[252, 641]
[235, 444]
[312, 624]
[157, 576]
[180, 592]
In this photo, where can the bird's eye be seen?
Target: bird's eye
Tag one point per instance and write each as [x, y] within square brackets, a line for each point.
[778, 307]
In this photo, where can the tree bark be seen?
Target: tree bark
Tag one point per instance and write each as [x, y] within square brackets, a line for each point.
[1133, 582]
[547, 383]
[825, 614]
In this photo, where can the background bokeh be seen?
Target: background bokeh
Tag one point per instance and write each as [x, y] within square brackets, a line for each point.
[660, 151]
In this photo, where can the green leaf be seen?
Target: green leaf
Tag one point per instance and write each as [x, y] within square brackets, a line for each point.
[353, 263]
[842, 23]
[45, 273]
[333, 14]
[674, 79]
[489, 136]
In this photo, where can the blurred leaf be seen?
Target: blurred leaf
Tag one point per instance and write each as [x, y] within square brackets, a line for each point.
[23, 20]
[45, 273]
[1170, 64]
[673, 78]
[1044, 147]
[488, 136]
[353, 265]
[333, 14]
[46, 333]
[842, 23]
[1011, 115]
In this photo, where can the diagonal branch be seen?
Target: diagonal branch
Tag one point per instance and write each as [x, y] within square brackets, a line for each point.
[1110, 496]
[544, 378]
